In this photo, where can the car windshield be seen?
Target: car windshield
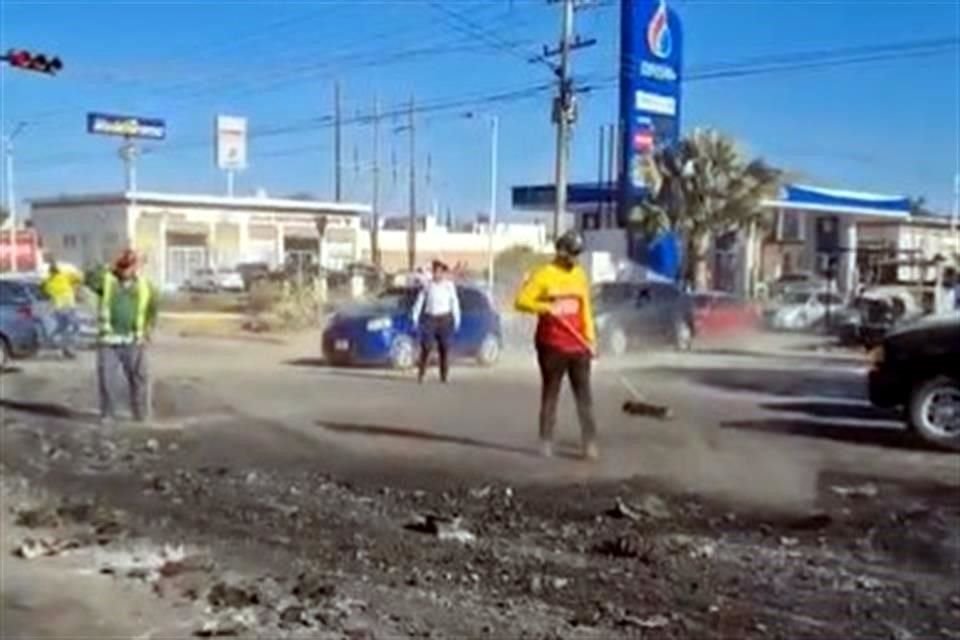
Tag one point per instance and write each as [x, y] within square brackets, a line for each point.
[399, 299]
[796, 298]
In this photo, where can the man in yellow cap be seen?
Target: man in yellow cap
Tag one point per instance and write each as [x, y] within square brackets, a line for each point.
[127, 314]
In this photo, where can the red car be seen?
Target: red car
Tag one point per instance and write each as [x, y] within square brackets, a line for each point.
[719, 313]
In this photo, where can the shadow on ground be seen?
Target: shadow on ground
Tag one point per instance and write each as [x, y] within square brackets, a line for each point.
[45, 409]
[795, 382]
[836, 410]
[431, 436]
[864, 435]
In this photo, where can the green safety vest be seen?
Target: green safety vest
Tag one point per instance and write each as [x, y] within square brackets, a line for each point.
[110, 284]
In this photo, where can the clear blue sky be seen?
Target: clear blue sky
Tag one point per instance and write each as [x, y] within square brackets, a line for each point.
[891, 126]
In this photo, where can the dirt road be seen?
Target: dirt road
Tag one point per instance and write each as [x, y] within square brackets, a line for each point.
[776, 504]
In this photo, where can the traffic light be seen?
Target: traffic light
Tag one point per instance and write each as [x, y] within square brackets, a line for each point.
[38, 62]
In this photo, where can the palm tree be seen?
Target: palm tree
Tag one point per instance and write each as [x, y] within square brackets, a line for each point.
[702, 189]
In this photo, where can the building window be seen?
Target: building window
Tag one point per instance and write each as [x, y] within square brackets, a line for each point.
[790, 227]
[69, 241]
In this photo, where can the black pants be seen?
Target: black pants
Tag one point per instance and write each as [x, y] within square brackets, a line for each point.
[437, 329]
[554, 366]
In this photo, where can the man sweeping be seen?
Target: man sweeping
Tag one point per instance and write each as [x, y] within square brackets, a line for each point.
[559, 294]
[127, 314]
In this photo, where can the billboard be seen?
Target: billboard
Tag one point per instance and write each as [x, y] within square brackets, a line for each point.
[126, 126]
[651, 60]
[651, 69]
[231, 143]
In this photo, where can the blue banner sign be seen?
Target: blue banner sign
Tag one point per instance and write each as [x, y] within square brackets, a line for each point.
[126, 126]
[651, 68]
[651, 61]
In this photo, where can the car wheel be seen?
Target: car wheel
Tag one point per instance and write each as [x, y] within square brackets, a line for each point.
[489, 352]
[617, 341]
[5, 354]
[934, 412]
[403, 353]
[682, 335]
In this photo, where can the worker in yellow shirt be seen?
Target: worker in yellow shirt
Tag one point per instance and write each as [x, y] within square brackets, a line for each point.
[61, 286]
[559, 294]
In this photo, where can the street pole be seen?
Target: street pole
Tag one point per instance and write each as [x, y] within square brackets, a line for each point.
[562, 116]
[955, 218]
[230, 182]
[491, 248]
[338, 168]
[375, 223]
[11, 194]
[412, 224]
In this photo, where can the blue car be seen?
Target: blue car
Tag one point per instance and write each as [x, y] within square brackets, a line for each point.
[382, 333]
[20, 330]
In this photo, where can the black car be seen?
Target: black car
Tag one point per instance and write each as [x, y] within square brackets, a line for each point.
[642, 314]
[918, 368]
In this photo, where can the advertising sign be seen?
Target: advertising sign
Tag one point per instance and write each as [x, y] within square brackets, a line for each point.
[126, 126]
[651, 67]
[651, 60]
[231, 143]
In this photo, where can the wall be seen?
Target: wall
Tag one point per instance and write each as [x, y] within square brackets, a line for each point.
[437, 241]
[612, 241]
[82, 235]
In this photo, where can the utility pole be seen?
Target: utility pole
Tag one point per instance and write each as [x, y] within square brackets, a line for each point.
[375, 223]
[563, 117]
[955, 218]
[412, 224]
[11, 195]
[337, 161]
[564, 106]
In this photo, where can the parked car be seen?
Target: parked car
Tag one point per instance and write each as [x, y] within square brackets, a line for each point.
[20, 328]
[382, 331]
[642, 314]
[790, 282]
[214, 280]
[802, 309]
[720, 313]
[918, 368]
[41, 310]
[876, 312]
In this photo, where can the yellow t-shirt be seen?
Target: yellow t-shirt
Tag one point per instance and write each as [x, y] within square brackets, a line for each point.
[561, 297]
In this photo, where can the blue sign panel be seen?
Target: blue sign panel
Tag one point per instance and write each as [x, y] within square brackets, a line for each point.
[651, 60]
[651, 67]
[126, 126]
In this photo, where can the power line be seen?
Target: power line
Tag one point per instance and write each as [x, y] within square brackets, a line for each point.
[732, 71]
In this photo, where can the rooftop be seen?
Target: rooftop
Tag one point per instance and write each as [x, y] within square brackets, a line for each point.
[200, 200]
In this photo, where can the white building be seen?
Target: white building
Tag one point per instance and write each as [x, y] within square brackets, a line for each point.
[469, 245]
[179, 233]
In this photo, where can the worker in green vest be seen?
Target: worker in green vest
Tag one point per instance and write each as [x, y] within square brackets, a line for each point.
[127, 314]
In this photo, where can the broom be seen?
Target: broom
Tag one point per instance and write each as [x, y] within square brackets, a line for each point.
[638, 405]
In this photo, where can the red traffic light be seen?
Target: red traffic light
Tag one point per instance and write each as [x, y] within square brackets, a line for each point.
[20, 59]
[23, 59]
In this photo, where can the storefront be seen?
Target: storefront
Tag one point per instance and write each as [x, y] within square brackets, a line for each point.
[178, 234]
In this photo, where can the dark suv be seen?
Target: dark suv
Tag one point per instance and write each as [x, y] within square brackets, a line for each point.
[642, 314]
[918, 368]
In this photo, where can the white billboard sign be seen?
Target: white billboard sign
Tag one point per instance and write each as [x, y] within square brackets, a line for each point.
[231, 143]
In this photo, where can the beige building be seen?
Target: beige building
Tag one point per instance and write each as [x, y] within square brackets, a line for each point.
[468, 245]
[180, 233]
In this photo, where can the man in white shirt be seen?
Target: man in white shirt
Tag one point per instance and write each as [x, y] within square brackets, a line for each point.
[437, 314]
